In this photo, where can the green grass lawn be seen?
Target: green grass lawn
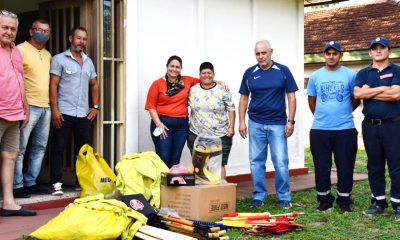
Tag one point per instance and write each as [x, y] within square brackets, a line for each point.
[330, 225]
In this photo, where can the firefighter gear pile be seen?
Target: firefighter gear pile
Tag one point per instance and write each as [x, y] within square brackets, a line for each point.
[141, 173]
[93, 218]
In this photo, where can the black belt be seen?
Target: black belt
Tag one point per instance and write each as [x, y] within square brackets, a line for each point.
[375, 121]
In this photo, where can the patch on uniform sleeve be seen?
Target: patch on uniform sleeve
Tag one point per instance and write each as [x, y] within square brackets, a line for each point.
[387, 75]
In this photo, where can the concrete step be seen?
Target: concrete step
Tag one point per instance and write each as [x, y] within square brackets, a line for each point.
[48, 201]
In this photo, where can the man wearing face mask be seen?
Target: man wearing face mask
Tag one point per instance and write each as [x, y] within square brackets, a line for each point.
[36, 61]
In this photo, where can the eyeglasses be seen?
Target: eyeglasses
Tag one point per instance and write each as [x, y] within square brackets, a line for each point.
[47, 31]
[8, 14]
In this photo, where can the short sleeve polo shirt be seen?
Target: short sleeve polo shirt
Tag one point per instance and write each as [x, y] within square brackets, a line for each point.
[267, 89]
[375, 78]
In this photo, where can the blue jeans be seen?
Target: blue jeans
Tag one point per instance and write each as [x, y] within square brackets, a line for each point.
[260, 136]
[170, 149]
[38, 131]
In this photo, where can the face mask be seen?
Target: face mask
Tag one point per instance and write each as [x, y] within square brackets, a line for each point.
[40, 38]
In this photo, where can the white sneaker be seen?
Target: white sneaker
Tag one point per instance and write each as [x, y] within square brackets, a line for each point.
[57, 189]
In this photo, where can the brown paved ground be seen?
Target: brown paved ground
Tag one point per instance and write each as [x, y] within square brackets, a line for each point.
[16, 227]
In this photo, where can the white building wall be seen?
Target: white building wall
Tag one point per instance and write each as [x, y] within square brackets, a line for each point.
[222, 32]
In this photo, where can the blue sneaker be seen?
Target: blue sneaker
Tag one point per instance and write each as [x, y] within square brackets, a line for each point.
[256, 203]
[284, 204]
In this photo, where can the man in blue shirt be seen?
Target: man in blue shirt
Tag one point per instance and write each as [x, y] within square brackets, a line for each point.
[72, 78]
[330, 98]
[268, 83]
[378, 85]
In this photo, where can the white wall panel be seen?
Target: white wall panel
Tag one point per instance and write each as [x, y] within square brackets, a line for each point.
[220, 31]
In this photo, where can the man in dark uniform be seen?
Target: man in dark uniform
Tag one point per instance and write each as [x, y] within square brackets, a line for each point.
[378, 85]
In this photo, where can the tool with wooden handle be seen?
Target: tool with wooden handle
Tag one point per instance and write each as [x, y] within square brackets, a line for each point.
[258, 216]
[159, 233]
[292, 214]
[209, 224]
[188, 233]
[224, 238]
[190, 223]
[193, 229]
[145, 237]
[240, 220]
[196, 235]
[261, 217]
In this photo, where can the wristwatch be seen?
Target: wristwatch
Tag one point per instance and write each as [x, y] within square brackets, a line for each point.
[96, 106]
[291, 121]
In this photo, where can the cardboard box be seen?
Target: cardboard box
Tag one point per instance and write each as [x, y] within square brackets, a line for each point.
[201, 202]
[177, 179]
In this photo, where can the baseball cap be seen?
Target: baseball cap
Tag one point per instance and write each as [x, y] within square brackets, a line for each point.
[333, 44]
[380, 40]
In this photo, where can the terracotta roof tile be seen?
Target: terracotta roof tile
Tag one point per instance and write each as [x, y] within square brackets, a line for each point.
[353, 26]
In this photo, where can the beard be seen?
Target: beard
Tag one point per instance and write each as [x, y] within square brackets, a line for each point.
[77, 49]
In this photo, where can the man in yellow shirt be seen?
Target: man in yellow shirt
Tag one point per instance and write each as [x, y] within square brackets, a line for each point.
[36, 61]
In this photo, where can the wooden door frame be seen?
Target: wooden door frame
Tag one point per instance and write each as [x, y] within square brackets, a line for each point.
[91, 17]
[88, 16]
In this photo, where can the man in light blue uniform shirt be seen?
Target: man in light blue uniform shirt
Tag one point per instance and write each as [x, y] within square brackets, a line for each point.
[330, 98]
[72, 78]
[268, 83]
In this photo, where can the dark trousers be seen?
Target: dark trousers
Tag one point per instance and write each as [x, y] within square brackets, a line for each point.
[343, 145]
[381, 144]
[170, 149]
[80, 126]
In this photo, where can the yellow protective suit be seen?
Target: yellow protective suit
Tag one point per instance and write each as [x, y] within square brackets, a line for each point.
[141, 173]
[93, 218]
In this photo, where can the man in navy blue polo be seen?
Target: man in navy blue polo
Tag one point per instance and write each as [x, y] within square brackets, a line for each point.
[268, 83]
[378, 85]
